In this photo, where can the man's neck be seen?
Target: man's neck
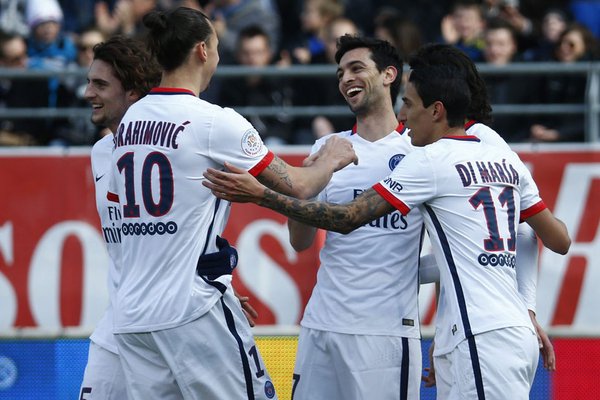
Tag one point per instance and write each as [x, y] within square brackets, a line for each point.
[375, 126]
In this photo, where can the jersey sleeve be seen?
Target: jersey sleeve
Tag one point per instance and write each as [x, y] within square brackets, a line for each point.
[233, 139]
[531, 202]
[410, 184]
[526, 266]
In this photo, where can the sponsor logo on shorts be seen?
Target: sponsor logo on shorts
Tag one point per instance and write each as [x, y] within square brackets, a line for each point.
[149, 228]
[251, 142]
[269, 389]
[395, 160]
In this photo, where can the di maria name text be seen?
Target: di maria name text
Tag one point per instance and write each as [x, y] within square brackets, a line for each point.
[475, 172]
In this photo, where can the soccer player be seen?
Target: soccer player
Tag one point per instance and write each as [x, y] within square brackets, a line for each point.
[478, 115]
[121, 73]
[181, 332]
[361, 325]
[472, 197]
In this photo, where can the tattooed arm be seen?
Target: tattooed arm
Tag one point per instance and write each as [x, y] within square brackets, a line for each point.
[239, 186]
[306, 182]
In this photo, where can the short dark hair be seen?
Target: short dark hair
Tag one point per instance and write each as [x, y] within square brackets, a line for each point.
[444, 83]
[444, 54]
[132, 64]
[253, 31]
[382, 53]
[172, 34]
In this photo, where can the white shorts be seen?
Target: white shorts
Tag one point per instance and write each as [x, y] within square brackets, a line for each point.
[500, 364]
[103, 377]
[332, 366]
[212, 357]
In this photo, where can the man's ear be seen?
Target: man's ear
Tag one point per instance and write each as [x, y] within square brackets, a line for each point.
[201, 51]
[390, 75]
[438, 111]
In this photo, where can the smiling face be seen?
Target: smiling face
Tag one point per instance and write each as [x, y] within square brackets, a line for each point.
[106, 95]
[360, 82]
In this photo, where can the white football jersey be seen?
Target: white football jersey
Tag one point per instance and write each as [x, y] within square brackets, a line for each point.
[472, 196]
[164, 143]
[368, 279]
[486, 134]
[110, 221]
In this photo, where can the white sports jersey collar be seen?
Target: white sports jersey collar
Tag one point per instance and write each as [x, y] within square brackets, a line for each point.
[464, 138]
[171, 91]
[400, 128]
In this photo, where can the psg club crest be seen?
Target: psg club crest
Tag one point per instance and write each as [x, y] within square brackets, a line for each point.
[395, 160]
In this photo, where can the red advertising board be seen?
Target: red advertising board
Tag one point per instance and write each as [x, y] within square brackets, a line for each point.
[53, 261]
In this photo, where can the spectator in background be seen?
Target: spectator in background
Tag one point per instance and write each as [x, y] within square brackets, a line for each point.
[316, 18]
[12, 17]
[17, 93]
[80, 130]
[402, 33]
[500, 50]
[576, 44]
[509, 11]
[553, 25]
[79, 14]
[254, 50]
[464, 28]
[229, 17]
[125, 17]
[323, 91]
[49, 49]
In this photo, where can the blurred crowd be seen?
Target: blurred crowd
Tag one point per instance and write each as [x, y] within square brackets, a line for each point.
[59, 35]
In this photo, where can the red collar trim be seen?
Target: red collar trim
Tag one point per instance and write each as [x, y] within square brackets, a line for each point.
[470, 123]
[165, 90]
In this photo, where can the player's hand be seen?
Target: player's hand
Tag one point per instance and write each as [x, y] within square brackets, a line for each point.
[337, 151]
[428, 376]
[248, 310]
[237, 185]
[546, 348]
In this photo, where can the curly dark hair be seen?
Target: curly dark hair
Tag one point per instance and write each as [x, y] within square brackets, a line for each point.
[132, 64]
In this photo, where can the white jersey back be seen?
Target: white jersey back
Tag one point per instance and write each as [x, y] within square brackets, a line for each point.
[368, 279]
[163, 145]
[110, 221]
[471, 196]
[486, 134]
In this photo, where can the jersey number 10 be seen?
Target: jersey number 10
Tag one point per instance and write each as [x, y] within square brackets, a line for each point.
[165, 176]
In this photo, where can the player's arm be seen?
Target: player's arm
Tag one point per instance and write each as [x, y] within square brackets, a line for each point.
[306, 182]
[240, 186]
[551, 231]
[526, 268]
[526, 265]
[302, 236]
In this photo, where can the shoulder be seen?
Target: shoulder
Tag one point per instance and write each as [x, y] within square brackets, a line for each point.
[103, 145]
[487, 135]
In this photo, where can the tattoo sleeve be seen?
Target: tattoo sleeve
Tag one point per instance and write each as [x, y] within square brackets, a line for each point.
[343, 218]
[278, 178]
